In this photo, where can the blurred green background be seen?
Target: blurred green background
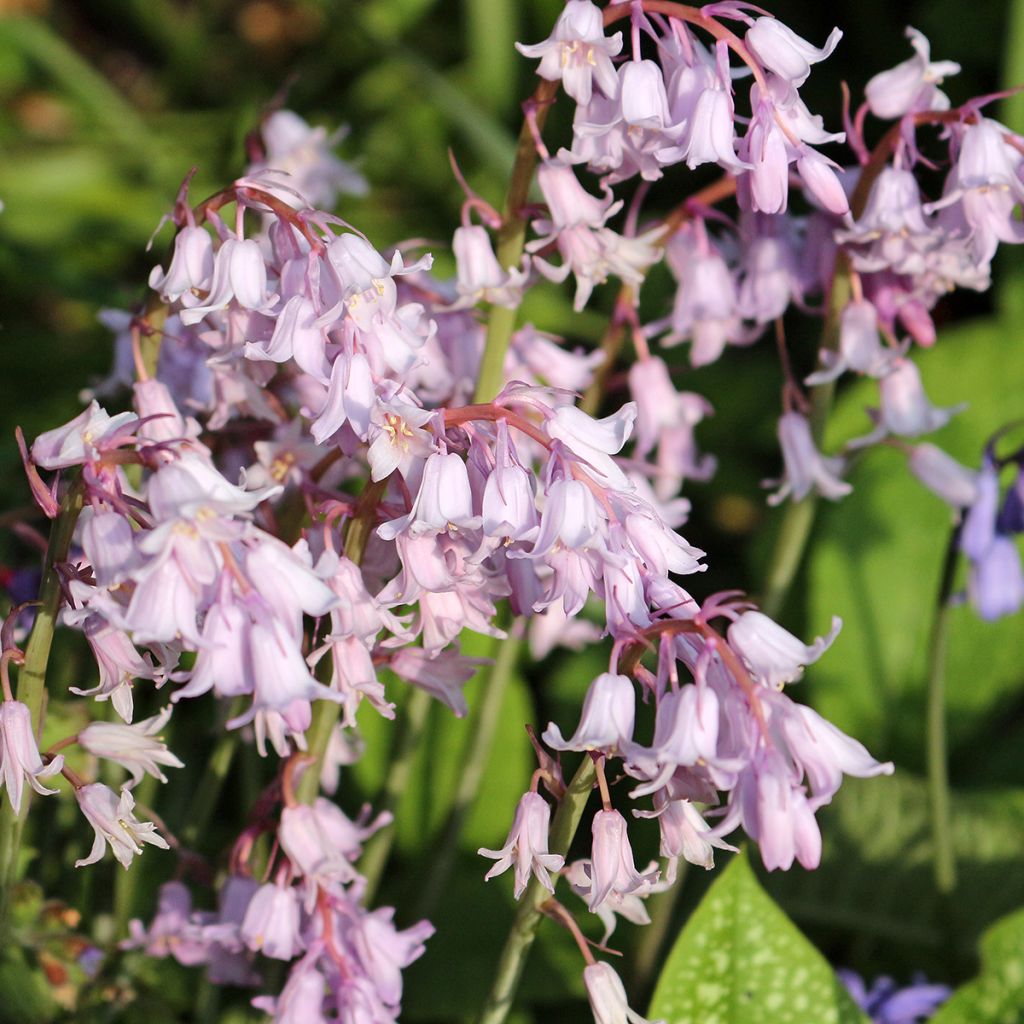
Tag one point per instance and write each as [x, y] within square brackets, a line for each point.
[106, 105]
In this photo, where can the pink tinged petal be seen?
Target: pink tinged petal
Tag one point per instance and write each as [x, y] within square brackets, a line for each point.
[773, 654]
[607, 996]
[79, 440]
[806, 468]
[910, 85]
[606, 722]
[906, 410]
[943, 475]
[527, 846]
[767, 152]
[595, 441]
[191, 265]
[822, 182]
[19, 754]
[108, 542]
[271, 923]
[826, 753]
[284, 576]
[781, 50]
[612, 867]
[642, 98]
[710, 137]
[136, 748]
[113, 822]
[223, 662]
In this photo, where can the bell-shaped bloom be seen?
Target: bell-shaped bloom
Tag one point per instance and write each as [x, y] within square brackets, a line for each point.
[509, 505]
[595, 441]
[606, 722]
[82, 439]
[239, 275]
[302, 999]
[860, 346]
[612, 869]
[607, 996]
[710, 134]
[577, 52]
[384, 951]
[826, 753]
[136, 748]
[351, 398]
[119, 663]
[996, 584]
[444, 501]
[479, 276]
[176, 929]
[527, 846]
[191, 265]
[806, 468]
[773, 655]
[323, 842]
[911, 86]
[781, 50]
[19, 754]
[953, 482]
[113, 822]
[296, 336]
[271, 923]
[684, 832]
[570, 518]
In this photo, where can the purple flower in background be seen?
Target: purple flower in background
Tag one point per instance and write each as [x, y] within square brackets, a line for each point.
[887, 1003]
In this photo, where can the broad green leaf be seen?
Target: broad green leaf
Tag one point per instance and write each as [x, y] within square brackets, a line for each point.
[874, 893]
[997, 995]
[740, 960]
[878, 554]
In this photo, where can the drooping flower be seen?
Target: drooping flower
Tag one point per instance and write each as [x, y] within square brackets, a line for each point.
[113, 822]
[527, 846]
[19, 754]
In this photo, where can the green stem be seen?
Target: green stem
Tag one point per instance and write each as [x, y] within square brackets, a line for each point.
[403, 753]
[212, 783]
[326, 713]
[31, 689]
[943, 853]
[524, 928]
[511, 239]
[798, 516]
[482, 726]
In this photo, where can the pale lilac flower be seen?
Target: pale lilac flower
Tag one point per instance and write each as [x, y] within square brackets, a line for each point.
[113, 822]
[607, 996]
[239, 275]
[118, 661]
[595, 441]
[351, 398]
[480, 278]
[527, 846]
[943, 475]
[996, 584]
[136, 748]
[684, 832]
[612, 869]
[384, 951]
[577, 52]
[773, 655]
[271, 924]
[825, 753]
[191, 265]
[175, 930]
[19, 754]
[606, 722]
[781, 50]
[911, 86]
[444, 501]
[81, 439]
[302, 999]
[305, 154]
[806, 468]
[860, 346]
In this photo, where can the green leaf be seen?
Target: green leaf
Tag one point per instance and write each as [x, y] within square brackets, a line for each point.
[740, 960]
[996, 996]
[874, 899]
[878, 556]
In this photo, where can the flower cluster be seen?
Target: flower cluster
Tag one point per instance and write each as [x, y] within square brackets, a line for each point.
[308, 489]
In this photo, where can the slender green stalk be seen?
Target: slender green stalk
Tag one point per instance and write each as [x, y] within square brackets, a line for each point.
[511, 239]
[326, 713]
[798, 516]
[482, 726]
[524, 928]
[943, 853]
[31, 688]
[407, 740]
